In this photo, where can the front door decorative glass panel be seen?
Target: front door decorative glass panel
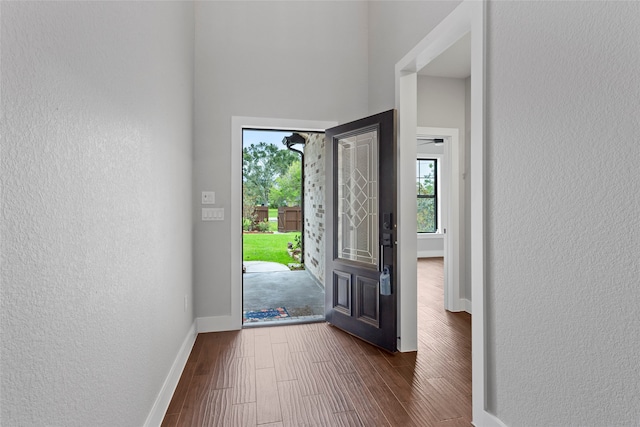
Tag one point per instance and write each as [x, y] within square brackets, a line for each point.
[357, 198]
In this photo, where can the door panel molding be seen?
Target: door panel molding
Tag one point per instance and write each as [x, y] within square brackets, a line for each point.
[342, 292]
[368, 301]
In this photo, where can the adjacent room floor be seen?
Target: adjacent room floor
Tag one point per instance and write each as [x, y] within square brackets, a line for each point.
[314, 374]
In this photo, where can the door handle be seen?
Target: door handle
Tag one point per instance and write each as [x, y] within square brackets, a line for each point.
[385, 278]
[381, 259]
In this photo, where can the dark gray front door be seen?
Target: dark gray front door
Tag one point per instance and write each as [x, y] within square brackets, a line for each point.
[361, 228]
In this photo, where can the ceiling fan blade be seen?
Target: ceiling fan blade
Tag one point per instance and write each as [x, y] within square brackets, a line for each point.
[430, 141]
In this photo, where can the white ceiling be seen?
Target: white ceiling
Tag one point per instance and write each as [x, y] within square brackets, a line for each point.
[454, 62]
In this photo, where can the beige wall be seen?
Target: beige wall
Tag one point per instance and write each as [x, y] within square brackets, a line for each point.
[395, 27]
[264, 59]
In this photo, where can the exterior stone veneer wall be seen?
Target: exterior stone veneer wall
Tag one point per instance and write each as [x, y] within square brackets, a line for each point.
[314, 214]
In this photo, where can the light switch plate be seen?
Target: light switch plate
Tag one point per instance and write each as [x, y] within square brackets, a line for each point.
[208, 197]
[212, 214]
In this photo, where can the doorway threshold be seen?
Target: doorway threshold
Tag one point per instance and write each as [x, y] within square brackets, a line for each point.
[283, 322]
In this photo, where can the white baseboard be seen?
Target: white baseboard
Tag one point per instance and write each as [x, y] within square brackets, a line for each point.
[487, 419]
[218, 324]
[466, 304]
[161, 404]
[431, 254]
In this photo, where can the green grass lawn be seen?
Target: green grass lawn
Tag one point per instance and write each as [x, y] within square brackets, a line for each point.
[267, 247]
[273, 212]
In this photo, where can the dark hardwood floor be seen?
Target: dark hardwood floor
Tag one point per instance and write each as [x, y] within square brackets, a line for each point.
[317, 375]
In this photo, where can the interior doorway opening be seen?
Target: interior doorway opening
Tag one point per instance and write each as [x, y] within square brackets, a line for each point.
[449, 237]
[282, 280]
[467, 18]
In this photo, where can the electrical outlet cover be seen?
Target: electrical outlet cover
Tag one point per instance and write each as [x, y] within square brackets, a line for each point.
[208, 197]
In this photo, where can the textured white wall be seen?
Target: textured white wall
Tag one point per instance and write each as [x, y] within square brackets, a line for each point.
[265, 59]
[564, 213]
[395, 27]
[96, 207]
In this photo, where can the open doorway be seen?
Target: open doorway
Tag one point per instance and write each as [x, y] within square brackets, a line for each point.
[467, 18]
[282, 271]
[444, 184]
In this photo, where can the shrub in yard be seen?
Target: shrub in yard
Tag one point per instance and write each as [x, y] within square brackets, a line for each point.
[297, 242]
[262, 226]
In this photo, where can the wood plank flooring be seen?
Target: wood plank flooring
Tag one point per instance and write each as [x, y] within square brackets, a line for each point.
[317, 375]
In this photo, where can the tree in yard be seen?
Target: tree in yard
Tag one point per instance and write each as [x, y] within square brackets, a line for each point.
[248, 210]
[262, 163]
[287, 188]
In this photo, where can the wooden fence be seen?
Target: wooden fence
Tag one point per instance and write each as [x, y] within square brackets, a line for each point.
[289, 219]
[261, 213]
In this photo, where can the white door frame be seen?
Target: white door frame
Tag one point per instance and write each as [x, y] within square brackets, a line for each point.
[469, 16]
[238, 123]
[450, 212]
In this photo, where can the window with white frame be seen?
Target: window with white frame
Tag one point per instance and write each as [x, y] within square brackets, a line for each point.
[427, 193]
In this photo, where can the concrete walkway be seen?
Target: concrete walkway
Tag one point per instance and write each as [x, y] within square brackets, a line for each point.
[263, 266]
[297, 291]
